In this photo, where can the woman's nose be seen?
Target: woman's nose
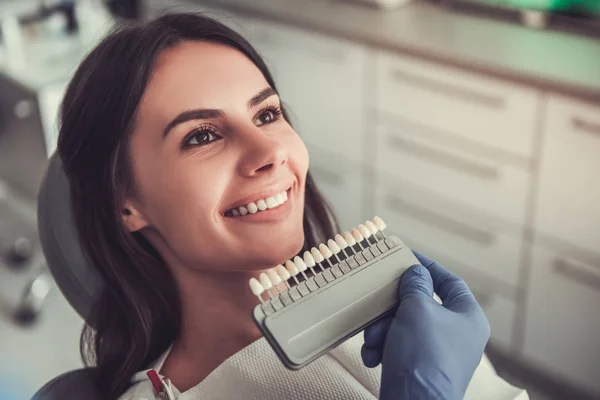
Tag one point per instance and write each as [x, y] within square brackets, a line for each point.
[262, 154]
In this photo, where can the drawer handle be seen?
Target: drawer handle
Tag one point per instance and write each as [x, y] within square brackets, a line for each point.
[441, 221]
[439, 157]
[577, 274]
[449, 90]
[327, 176]
[585, 126]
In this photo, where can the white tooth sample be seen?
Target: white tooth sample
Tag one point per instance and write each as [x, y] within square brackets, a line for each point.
[371, 227]
[291, 267]
[274, 277]
[325, 251]
[271, 202]
[340, 241]
[256, 287]
[308, 259]
[333, 246]
[283, 273]
[349, 239]
[235, 212]
[243, 210]
[364, 231]
[279, 198]
[357, 236]
[261, 204]
[252, 208]
[379, 223]
[265, 281]
[317, 256]
[300, 264]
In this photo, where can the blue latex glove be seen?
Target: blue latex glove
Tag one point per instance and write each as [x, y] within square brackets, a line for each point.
[428, 350]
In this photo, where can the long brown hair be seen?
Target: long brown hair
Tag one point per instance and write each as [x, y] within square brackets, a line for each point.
[137, 315]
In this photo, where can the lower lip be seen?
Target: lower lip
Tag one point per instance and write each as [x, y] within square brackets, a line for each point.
[269, 215]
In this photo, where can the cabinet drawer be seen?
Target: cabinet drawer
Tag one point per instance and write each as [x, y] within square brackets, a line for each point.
[339, 180]
[320, 79]
[563, 324]
[568, 202]
[497, 188]
[469, 106]
[450, 230]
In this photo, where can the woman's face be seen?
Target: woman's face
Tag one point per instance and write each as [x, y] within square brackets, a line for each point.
[209, 138]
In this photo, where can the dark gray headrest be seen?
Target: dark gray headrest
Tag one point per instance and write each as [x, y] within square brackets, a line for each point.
[79, 283]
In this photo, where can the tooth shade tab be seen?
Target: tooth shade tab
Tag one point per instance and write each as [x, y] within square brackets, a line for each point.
[379, 223]
[275, 279]
[333, 246]
[339, 240]
[357, 236]
[265, 281]
[309, 260]
[364, 231]
[252, 208]
[291, 267]
[349, 239]
[300, 264]
[282, 272]
[325, 251]
[256, 287]
[371, 227]
[317, 255]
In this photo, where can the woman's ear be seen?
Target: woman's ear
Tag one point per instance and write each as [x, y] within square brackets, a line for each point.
[133, 218]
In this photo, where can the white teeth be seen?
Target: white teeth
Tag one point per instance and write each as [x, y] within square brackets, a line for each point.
[256, 287]
[325, 251]
[317, 256]
[339, 240]
[291, 267]
[371, 227]
[272, 202]
[243, 210]
[235, 212]
[357, 236]
[252, 208]
[333, 246]
[265, 281]
[279, 198]
[274, 277]
[349, 239]
[285, 196]
[364, 231]
[300, 264]
[308, 259]
[283, 273]
[379, 223]
[262, 205]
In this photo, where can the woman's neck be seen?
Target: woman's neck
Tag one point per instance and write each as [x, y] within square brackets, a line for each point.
[217, 323]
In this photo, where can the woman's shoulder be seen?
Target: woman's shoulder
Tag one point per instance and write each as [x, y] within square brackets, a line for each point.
[140, 390]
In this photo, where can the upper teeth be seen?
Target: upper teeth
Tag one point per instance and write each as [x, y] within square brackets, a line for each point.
[260, 205]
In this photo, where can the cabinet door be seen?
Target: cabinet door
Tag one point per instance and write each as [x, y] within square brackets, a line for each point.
[563, 324]
[339, 181]
[568, 202]
[321, 81]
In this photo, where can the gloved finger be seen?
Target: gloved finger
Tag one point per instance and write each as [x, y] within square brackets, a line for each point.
[452, 290]
[376, 333]
[415, 282]
[371, 357]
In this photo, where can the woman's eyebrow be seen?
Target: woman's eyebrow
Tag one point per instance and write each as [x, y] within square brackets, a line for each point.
[204, 113]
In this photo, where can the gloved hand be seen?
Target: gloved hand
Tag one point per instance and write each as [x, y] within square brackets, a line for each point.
[428, 350]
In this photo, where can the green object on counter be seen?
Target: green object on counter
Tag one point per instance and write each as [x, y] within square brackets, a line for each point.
[550, 5]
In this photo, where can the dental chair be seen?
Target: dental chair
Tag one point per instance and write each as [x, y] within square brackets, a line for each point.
[79, 283]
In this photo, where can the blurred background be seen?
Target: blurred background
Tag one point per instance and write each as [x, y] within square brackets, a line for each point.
[471, 126]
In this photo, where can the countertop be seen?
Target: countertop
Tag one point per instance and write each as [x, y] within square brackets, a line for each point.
[553, 60]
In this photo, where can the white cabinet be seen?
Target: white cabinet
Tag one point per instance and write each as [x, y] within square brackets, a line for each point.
[322, 81]
[496, 187]
[339, 181]
[568, 201]
[563, 323]
[468, 107]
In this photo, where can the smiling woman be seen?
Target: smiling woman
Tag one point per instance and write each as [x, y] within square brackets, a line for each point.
[187, 180]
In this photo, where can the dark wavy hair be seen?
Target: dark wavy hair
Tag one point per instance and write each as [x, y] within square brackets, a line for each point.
[137, 315]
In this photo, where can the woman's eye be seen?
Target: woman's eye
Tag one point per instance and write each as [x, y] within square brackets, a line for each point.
[266, 117]
[201, 138]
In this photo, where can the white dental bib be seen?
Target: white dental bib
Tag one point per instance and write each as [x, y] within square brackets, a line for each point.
[255, 373]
